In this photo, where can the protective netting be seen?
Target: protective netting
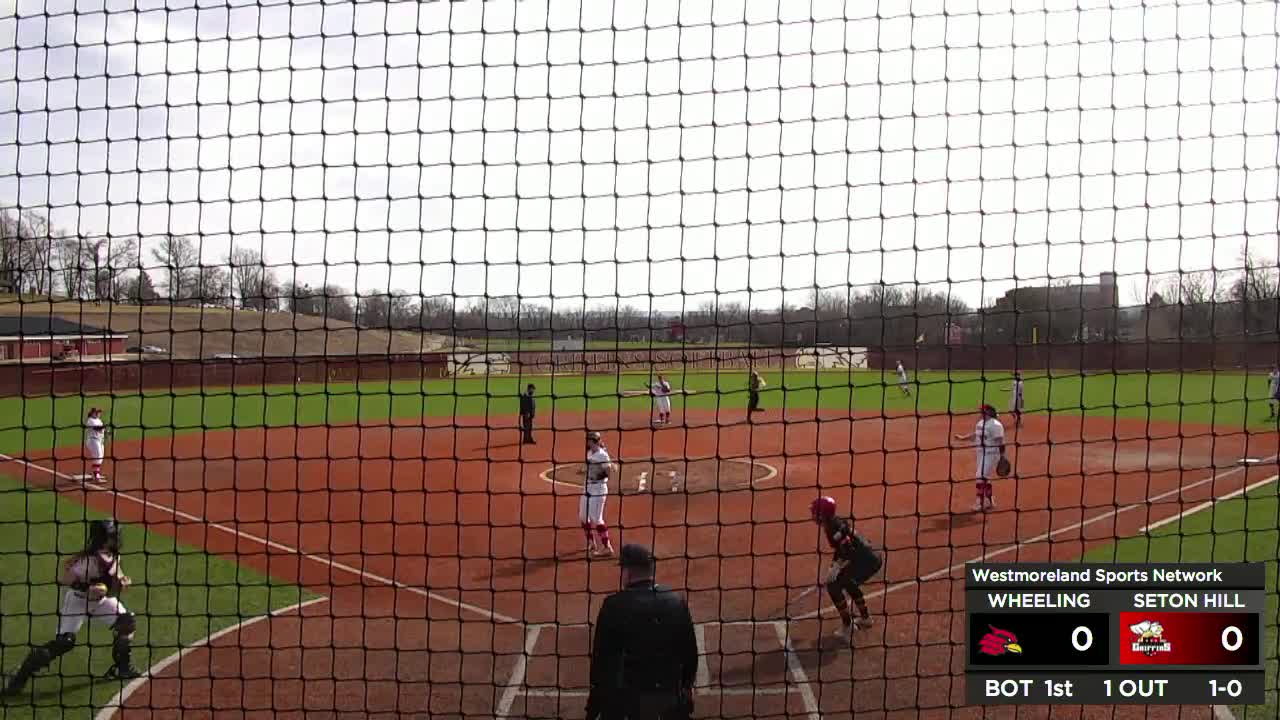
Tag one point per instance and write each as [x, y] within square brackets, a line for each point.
[305, 258]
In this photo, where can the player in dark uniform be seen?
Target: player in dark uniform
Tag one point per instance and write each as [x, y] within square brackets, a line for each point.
[854, 563]
[644, 658]
[94, 582]
[528, 408]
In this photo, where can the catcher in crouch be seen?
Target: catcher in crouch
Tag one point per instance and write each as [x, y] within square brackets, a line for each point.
[854, 563]
[988, 439]
[93, 581]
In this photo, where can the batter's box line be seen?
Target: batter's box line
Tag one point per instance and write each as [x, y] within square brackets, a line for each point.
[799, 684]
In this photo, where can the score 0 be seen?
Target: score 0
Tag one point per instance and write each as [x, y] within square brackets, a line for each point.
[1082, 638]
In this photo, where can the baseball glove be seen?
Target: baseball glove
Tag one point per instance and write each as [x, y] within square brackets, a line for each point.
[1003, 468]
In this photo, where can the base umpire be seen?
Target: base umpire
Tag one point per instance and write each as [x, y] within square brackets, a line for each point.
[645, 654]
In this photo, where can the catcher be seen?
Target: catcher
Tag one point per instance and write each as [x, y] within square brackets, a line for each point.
[988, 439]
[854, 564]
[93, 581]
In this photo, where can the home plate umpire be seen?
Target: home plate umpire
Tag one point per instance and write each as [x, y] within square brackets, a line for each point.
[645, 656]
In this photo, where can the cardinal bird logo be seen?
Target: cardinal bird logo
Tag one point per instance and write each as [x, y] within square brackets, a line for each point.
[998, 642]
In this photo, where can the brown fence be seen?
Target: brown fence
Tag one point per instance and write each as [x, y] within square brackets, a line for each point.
[1098, 357]
[133, 376]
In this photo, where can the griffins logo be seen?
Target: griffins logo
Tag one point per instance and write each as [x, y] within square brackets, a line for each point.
[1150, 638]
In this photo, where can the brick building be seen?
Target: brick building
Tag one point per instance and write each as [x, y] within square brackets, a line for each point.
[41, 336]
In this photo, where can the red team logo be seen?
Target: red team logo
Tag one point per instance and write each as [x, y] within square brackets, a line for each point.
[1149, 638]
[998, 642]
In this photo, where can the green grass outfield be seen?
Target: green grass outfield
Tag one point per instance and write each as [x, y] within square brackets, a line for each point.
[208, 593]
[28, 424]
[180, 595]
[1242, 529]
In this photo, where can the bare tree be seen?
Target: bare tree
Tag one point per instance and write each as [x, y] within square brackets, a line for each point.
[247, 272]
[106, 259]
[213, 286]
[179, 257]
[338, 303]
[73, 267]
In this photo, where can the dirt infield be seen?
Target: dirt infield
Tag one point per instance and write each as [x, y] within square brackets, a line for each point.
[457, 586]
[672, 475]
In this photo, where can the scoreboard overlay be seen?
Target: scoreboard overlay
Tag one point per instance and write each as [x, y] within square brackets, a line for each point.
[1098, 634]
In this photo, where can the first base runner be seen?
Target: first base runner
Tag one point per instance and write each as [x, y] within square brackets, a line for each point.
[94, 582]
[854, 564]
[594, 493]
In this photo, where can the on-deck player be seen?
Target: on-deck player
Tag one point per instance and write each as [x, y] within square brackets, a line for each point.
[988, 438]
[594, 494]
[662, 399]
[95, 441]
[1016, 399]
[1273, 390]
[94, 581]
[903, 384]
[853, 564]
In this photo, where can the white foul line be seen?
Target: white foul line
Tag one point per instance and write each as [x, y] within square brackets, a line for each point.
[798, 673]
[491, 615]
[1207, 504]
[1042, 537]
[117, 701]
[516, 683]
[703, 678]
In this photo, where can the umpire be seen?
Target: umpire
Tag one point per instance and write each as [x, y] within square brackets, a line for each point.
[645, 655]
[528, 408]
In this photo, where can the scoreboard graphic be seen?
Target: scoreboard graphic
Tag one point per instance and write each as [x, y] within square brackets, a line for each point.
[1092, 634]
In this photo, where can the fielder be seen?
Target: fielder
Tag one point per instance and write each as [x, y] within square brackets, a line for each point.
[594, 494]
[988, 438]
[903, 384]
[1016, 399]
[662, 399]
[94, 582]
[1273, 390]
[95, 441]
[753, 393]
[854, 563]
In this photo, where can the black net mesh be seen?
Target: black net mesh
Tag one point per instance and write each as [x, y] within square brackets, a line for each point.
[320, 302]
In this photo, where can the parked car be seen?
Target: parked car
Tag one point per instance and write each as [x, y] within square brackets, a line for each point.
[146, 349]
[225, 356]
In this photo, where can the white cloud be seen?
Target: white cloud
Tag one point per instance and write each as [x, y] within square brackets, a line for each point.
[571, 148]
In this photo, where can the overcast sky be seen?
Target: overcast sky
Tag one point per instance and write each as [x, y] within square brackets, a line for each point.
[663, 147]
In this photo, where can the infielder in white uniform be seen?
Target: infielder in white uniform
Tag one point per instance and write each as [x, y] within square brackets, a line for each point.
[902, 380]
[93, 582]
[662, 399]
[95, 441]
[988, 439]
[594, 494]
[1016, 400]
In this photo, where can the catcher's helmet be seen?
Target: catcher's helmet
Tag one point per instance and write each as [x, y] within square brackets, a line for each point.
[824, 508]
[103, 533]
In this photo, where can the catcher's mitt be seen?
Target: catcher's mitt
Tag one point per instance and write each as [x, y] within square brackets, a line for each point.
[1003, 468]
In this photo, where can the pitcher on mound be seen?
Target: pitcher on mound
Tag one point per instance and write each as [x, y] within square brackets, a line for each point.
[594, 493]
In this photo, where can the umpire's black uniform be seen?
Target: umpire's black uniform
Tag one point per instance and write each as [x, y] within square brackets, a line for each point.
[645, 655]
[528, 408]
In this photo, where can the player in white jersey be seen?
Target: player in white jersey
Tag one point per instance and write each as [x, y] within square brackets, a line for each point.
[95, 441]
[662, 399]
[903, 384]
[594, 493]
[1016, 400]
[988, 439]
[1273, 390]
[93, 582]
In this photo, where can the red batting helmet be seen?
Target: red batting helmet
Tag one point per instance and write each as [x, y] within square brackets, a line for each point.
[824, 508]
[988, 410]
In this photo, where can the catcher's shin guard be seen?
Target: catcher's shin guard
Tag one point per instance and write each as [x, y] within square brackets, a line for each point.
[37, 660]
